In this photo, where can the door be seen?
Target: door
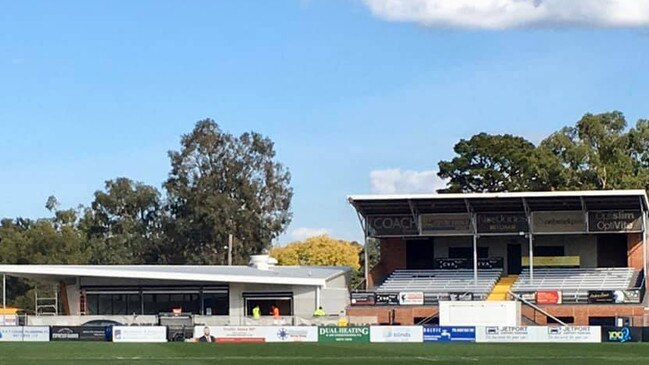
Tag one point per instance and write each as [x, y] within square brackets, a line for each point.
[420, 254]
[514, 259]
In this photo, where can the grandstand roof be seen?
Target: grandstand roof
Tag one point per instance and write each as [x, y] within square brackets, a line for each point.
[281, 275]
[501, 202]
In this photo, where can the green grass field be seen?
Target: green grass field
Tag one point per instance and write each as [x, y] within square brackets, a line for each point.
[329, 354]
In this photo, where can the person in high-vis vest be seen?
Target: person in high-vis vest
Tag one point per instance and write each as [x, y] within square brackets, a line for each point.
[256, 312]
[319, 312]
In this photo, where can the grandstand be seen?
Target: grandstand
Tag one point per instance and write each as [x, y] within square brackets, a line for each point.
[580, 255]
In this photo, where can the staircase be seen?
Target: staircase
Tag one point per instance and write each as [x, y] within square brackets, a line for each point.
[502, 287]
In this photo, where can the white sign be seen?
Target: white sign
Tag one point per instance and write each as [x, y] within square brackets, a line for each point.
[397, 334]
[11, 334]
[36, 334]
[476, 313]
[139, 334]
[9, 320]
[411, 298]
[259, 333]
[541, 334]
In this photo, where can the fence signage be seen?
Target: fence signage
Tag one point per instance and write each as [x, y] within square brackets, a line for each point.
[548, 297]
[396, 334]
[77, 333]
[601, 296]
[139, 334]
[449, 334]
[621, 334]
[615, 221]
[392, 225]
[344, 334]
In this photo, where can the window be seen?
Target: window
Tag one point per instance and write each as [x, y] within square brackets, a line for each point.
[551, 251]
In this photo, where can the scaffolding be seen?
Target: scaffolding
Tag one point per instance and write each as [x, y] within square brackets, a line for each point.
[47, 304]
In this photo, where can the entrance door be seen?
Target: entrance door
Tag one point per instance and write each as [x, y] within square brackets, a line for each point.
[420, 254]
[514, 259]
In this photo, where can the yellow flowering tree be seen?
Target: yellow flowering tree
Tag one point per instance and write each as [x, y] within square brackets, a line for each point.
[319, 251]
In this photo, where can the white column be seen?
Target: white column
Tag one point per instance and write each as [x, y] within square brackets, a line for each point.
[531, 255]
[366, 264]
[475, 259]
[4, 291]
[644, 245]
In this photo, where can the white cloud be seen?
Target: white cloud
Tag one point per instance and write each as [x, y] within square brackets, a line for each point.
[302, 233]
[502, 14]
[395, 181]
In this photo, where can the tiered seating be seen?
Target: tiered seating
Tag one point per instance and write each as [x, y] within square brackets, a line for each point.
[575, 283]
[439, 284]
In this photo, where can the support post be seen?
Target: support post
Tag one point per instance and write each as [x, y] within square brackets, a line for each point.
[531, 254]
[644, 245]
[230, 240]
[475, 259]
[366, 264]
[4, 291]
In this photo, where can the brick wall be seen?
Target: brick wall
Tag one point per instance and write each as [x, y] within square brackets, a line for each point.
[402, 315]
[393, 256]
[634, 251]
[581, 313]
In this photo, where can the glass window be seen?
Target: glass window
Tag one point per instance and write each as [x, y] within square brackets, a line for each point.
[216, 303]
[105, 304]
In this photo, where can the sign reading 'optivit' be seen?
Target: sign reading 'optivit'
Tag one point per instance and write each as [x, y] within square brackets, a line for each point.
[343, 334]
[615, 221]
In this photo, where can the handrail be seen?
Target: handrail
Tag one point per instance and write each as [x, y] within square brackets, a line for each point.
[516, 296]
[427, 319]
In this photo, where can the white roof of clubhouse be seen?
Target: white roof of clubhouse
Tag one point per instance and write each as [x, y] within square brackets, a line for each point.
[280, 275]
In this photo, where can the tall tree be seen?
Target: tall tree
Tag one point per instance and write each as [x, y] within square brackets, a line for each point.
[124, 223]
[221, 184]
[492, 163]
[319, 251]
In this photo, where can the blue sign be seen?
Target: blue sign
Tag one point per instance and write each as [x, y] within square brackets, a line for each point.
[449, 334]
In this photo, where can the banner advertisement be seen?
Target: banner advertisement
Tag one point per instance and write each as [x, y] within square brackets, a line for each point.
[460, 297]
[358, 299]
[8, 320]
[548, 297]
[449, 334]
[502, 223]
[387, 298]
[139, 334]
[601, 296]
[621, 334]
[76, 333]
[11, 334]
[559, 222]
[36, 334]
[411, 298]
[571, 334]
[541, 334]
[344, 334]
[396, 334]
[450, 264]
[631, 296]
[615, 221]
[552, 261]
[392, 225]
[256, 334]
[506, 334]
[445, 224]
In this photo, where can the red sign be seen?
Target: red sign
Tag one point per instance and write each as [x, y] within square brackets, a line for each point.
[548, 297]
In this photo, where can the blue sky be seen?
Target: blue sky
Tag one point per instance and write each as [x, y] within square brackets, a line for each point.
[348, 91]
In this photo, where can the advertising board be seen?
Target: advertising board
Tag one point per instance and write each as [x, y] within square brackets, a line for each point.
[139, 334]
[359, 299]
[392, 225]
[559, 222]
[387, 298]
[445, 224]
[601, 296]
[621, 334]
[540, 334]
[36, 334]
[548, 297]
[502, 223]
[252, 334]
[615, 221]
[77, 333]
[449, 334]
[396, 334]
[11, 333]
[344, 334]
[411, 298]
[8, 320]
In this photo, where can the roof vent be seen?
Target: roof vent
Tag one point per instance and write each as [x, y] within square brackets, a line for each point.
[262, 262]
